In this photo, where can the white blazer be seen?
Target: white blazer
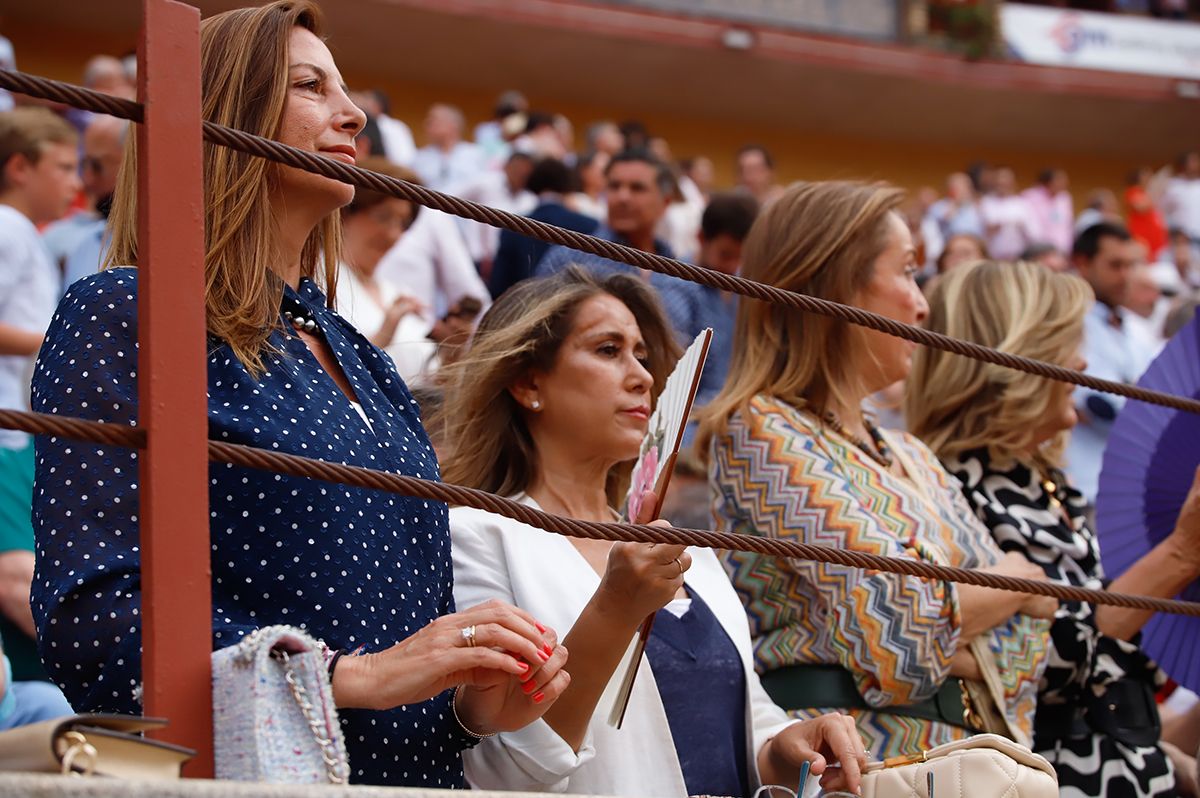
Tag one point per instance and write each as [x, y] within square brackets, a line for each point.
[541, 572]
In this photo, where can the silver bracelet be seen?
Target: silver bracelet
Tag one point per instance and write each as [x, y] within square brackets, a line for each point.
[461, 725]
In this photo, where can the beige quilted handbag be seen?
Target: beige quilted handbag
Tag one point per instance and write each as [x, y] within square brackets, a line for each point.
[983, 766]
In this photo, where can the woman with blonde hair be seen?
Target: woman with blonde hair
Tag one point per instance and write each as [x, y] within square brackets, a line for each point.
[362, 570]
[793, 456]
[549, 407]
[1002, 433]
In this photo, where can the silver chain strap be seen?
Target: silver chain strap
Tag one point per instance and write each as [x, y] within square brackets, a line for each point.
[335, 767]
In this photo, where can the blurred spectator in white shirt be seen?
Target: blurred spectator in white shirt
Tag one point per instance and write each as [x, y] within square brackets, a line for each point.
[431, 264]
[388, 317]
[605, 137]
[1182, 200]
[589, 198]
[756, 174]
[107, 74]
[504, 190]
[1007, 219]
[398, 144]
[1180, 253]
[1105, 256]
[698, 173]
[490, 136]
[103, 152]
[1147, 307]
[447, 162]
[1102, 206]
[681, 226]
[956, 213]
[1050, 210]
[74, 242]
[566, 136]
[542, 137]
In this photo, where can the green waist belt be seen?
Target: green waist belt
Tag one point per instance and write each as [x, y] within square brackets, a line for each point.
[833, 687]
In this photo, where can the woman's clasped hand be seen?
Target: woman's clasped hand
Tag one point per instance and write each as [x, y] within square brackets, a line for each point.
[510, 668]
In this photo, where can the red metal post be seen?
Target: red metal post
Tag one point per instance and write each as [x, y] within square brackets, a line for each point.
[176, 571]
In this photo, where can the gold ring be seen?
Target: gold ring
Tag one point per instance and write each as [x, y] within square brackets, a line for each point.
[468, 634]
[677, 562]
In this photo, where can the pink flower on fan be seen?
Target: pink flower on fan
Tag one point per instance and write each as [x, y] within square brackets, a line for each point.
[643, 480]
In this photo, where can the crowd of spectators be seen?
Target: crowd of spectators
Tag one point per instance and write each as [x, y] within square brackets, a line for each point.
[415, 282]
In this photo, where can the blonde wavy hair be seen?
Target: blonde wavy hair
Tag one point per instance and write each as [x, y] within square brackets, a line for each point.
[956, 404]
[244, 76]
[487, 443]
[820, 239]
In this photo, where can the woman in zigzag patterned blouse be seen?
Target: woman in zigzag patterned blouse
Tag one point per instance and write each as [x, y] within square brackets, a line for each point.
[1002, 433]
[793, 456]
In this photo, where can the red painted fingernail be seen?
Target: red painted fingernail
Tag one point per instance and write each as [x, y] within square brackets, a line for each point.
[524, 666]
[527, 687]
[540, 628]
[543, 655]
[547, 649]
[537, 697]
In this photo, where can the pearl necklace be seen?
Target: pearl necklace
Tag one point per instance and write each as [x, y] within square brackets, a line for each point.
[301, 323]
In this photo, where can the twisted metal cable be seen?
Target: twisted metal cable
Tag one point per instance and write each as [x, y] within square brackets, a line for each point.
[298, 466]
[319, 164]
[295, 465]
[76, 429]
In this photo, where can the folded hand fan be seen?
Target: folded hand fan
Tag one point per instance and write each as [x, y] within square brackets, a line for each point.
[652, 471]
[1148, 467]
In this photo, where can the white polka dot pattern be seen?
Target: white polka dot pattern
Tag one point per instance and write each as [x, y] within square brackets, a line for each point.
[353, 567]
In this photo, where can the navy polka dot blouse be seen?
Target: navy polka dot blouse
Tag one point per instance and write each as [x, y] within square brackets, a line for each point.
[353, 567]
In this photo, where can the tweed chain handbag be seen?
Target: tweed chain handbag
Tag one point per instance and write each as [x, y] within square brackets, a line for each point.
[274, 719]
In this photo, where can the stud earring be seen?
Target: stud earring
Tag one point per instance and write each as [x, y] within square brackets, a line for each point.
[536, 405]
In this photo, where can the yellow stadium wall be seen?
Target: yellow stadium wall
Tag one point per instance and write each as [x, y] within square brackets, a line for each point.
[801, 154]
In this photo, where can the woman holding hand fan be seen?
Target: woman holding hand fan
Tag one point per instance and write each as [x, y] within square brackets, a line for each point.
[550, 406]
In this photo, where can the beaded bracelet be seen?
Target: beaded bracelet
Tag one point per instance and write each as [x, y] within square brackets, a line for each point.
[461, 725]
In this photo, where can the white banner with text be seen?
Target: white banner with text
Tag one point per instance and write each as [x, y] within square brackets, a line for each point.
[1112, 42]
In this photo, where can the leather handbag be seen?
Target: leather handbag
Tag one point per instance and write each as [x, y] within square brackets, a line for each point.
[983, 766]
[103, 745]
[274, 719]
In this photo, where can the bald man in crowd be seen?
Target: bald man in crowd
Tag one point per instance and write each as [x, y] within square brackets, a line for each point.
[447, 162]
[103, 151]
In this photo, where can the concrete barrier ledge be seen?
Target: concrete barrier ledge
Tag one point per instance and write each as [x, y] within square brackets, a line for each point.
[42, 785]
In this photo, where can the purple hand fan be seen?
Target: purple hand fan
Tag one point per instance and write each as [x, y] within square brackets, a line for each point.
[1149, 464]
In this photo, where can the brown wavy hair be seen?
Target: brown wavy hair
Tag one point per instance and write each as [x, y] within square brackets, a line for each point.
[487, 444]
[820, 239]
[956, 404]
[244, 77]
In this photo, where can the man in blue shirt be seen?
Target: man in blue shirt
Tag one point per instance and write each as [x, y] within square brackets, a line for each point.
[691, 307]
[1104, 255]
[640, 187]
[519, 254]
[103, 151]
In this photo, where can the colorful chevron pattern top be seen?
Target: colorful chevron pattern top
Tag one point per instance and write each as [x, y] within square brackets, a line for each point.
[780, 472]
